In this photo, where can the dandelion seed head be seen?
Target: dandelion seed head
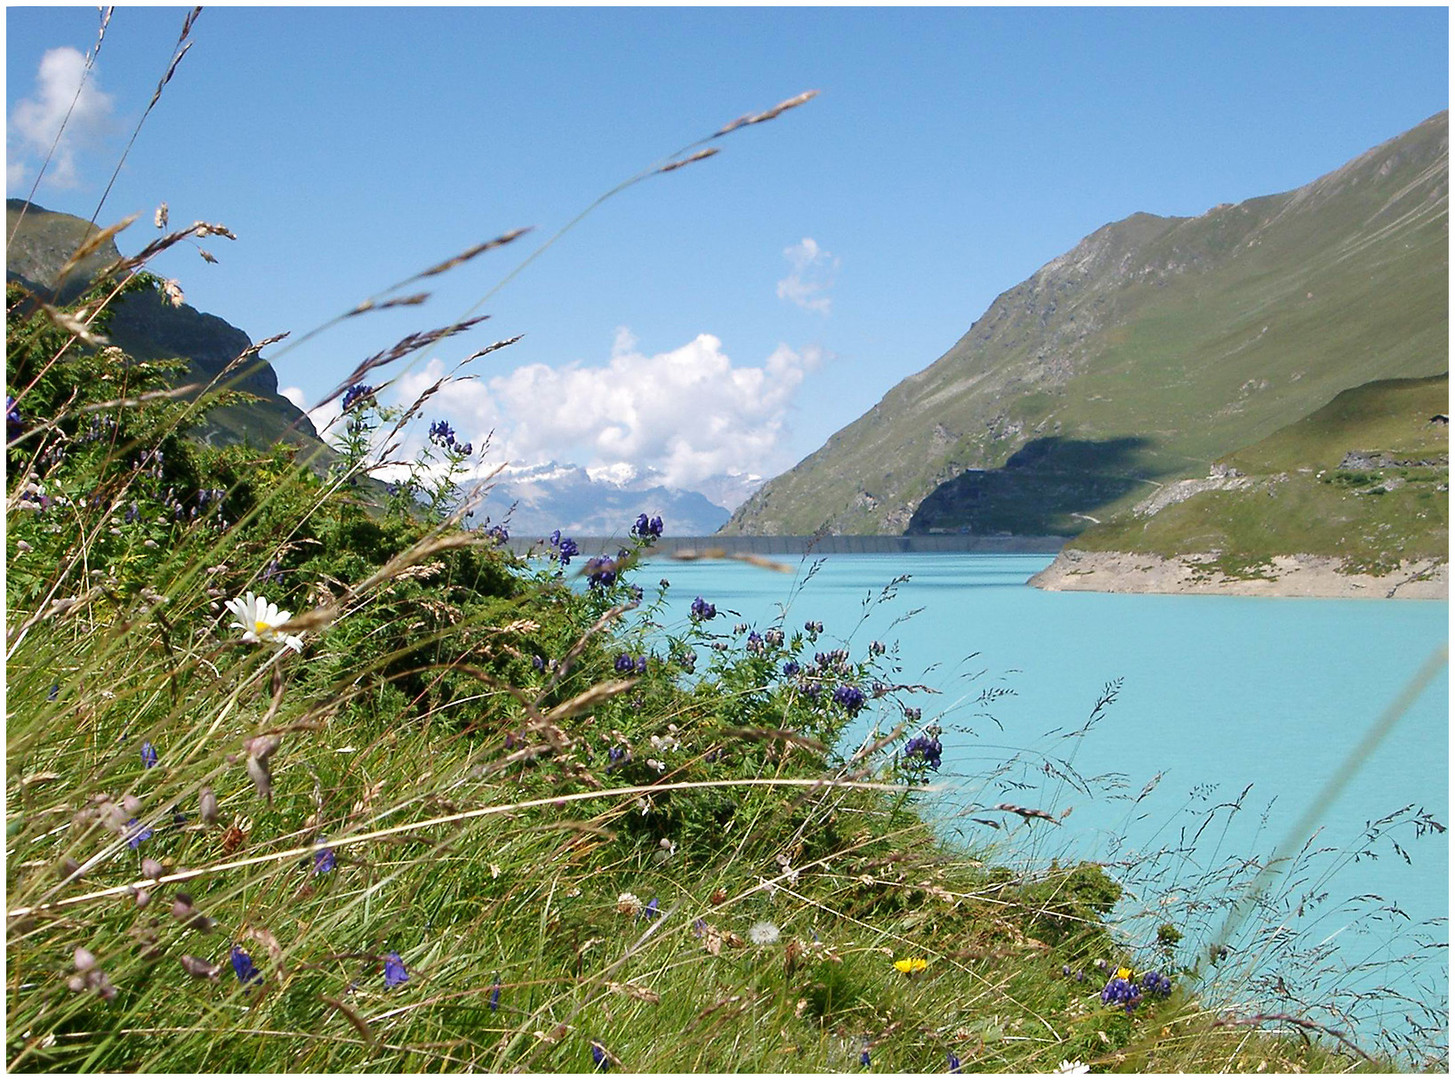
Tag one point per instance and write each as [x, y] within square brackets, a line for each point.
[763, 932]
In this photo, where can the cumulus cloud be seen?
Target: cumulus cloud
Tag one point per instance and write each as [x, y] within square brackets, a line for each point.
[812, 276]
[295, 395]
[35, 120]
[686, 415]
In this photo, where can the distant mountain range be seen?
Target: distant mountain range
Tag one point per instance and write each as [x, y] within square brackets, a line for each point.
[536, 500]
[1152, 349]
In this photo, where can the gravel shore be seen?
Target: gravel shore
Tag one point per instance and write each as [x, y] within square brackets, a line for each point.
[1291, 575]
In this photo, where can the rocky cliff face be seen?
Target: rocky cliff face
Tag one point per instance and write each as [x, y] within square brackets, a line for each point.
[147, 327]
[1144, 353]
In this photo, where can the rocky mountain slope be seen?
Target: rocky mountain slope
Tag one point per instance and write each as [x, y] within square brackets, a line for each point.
[1154, 347]
[148, 328]
[1352, 500]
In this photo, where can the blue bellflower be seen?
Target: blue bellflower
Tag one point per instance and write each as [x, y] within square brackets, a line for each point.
[247, 972]
[394, 973]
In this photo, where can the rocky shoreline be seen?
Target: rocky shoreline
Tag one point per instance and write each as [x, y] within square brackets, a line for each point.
[1290, 575]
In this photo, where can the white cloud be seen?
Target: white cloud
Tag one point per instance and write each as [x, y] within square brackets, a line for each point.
[35, 121]
[324, 415]
[811, 278]
[295, 395]
[685, 415]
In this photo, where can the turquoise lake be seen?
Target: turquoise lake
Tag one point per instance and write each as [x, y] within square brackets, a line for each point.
[1216, 693]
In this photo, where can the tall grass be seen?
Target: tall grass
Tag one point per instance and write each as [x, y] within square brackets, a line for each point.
[486, 814]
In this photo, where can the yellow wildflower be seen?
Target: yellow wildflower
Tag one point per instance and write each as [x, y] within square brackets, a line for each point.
[911, 966]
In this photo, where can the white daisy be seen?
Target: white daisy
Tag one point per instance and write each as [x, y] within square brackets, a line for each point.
[259, 620]
[1074, 1068]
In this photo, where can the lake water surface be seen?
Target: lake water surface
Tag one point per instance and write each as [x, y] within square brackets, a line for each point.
[1216, 694]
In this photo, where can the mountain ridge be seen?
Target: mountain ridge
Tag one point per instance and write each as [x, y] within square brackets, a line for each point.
[147, 327]
[1197, 335]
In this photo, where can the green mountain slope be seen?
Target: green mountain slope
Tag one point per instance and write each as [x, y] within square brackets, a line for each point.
[1365, 479]
[1153, 348]
[148, 328]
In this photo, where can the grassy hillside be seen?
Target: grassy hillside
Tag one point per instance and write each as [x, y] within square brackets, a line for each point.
[1364, 479]
[1153, 348]
[467, 811]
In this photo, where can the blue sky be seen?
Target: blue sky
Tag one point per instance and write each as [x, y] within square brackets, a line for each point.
[728, 317]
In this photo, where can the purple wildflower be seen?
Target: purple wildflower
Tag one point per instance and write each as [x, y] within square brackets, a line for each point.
[924, 748]
[650, 911]
[14, 423]
[139, 834]
[850, 697]
[952, 1061]
[441, 434]
[324, 860]
[568, 549]
[394, 973]
[600, 572]
[791, 669]
[598, 1055]
[1119, 991]
[624, 663]
[148, 755]
[646, 529]
[702, 610]
[495, 996]
[355, 394]
[247, 972]
[1156, 983]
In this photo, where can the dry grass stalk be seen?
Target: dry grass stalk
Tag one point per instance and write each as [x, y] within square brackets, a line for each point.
[701, 155]
[470, 253]
[767, 114]
[448, 819]
[1297, 1021]
[408, 344]
[694, 555]
[353, 1018]
[132, 402]
[197, 228]
[91, 243]
[399, 301]
[493, 348]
